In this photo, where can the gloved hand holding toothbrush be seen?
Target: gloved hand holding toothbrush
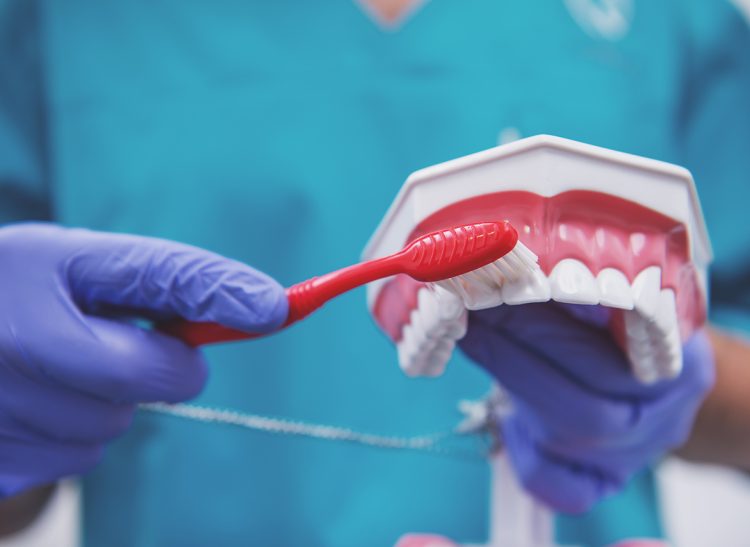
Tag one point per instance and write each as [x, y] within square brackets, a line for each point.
[70, 372]
[581, 424]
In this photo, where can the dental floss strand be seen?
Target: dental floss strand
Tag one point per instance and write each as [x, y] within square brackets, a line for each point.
[477, 424]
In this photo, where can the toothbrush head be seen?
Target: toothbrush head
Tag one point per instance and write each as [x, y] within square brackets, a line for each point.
[463, 258]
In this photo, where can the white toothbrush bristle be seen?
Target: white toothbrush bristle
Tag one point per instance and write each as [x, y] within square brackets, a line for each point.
[485, 275]
[502, 268]
[526, 253]
[518, 263]
[459, 290]
[442, 284]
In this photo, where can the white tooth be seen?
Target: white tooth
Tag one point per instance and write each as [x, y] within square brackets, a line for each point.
[572, 282]
[646, 364]
[428, 340]
[673, 366]
[636, 327]
[666, 335]
[654, 354]
[425, 315]
[452, 313]
[408, 339]
[434, 360]
[665, 316]
[646, 288]
[671, 354]
[415, 320]
[451, 330]
[526, 289]
[653, 335]
[643, 361]
[673, 339]
[449, 305]
[405, 358]
[482, 302]
[481, 293]
[639, 347]
[455, 329]
[432, 323]
[614, 289]
[669, 366]
[638, 351]
[645, 370]
[426, 301]
[423, 356]
[415, 367]
[407, 352]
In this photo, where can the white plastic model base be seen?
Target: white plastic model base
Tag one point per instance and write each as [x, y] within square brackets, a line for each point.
[609, 228]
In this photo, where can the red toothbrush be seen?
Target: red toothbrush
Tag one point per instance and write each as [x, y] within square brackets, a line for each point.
[483, 252]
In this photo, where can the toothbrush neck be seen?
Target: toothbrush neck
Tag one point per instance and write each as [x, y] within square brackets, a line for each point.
[306, 297]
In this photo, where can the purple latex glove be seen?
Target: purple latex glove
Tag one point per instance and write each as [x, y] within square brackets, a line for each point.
[582, 425]
[71, 374]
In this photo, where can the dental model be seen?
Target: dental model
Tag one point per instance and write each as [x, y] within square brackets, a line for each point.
[609, 228]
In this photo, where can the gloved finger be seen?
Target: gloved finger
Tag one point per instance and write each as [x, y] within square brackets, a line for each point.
[566, 487]
[159, 275]
[564, 399]
[61, 414]
[667, 418]
[117, 361]
[623, 451]
[24, 464]
[586, 353]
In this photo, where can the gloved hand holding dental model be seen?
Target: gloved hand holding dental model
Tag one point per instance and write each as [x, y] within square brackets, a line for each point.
[71, 377]
[581, 424]
[602, 388]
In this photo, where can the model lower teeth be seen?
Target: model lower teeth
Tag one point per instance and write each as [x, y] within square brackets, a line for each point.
[652, 336]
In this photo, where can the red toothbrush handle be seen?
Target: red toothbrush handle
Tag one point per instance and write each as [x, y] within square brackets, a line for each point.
[432, 257]
[303, 300]
[197, 333]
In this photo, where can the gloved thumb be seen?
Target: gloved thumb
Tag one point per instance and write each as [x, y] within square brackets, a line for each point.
[172, 279]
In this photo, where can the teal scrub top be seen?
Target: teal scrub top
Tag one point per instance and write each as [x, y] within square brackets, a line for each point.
[277, 133]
